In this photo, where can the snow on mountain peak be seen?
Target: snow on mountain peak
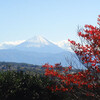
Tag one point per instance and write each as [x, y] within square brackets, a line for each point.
[65, 44]
[37, 41]
[10, 44]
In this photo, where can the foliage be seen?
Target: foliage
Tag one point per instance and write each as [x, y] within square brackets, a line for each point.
[86, 83]
[22, 86]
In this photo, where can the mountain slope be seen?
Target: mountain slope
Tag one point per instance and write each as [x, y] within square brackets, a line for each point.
[65, 58]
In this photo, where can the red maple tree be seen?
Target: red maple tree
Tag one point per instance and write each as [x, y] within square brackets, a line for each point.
[86, 81]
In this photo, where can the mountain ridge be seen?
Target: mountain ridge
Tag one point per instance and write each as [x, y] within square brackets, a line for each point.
[11, 44]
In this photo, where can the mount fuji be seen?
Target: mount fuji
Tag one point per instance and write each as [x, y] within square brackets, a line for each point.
[39, 44]
[39, 51]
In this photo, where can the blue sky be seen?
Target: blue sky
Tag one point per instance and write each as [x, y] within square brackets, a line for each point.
[56, 20]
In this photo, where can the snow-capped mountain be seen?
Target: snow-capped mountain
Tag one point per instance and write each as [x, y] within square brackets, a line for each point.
[5, 46]
[39, 51]
[35, 42]
[39, 44]
[8, 45]
[65, 44]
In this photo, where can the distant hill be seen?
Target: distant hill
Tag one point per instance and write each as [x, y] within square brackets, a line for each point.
[12, 66]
